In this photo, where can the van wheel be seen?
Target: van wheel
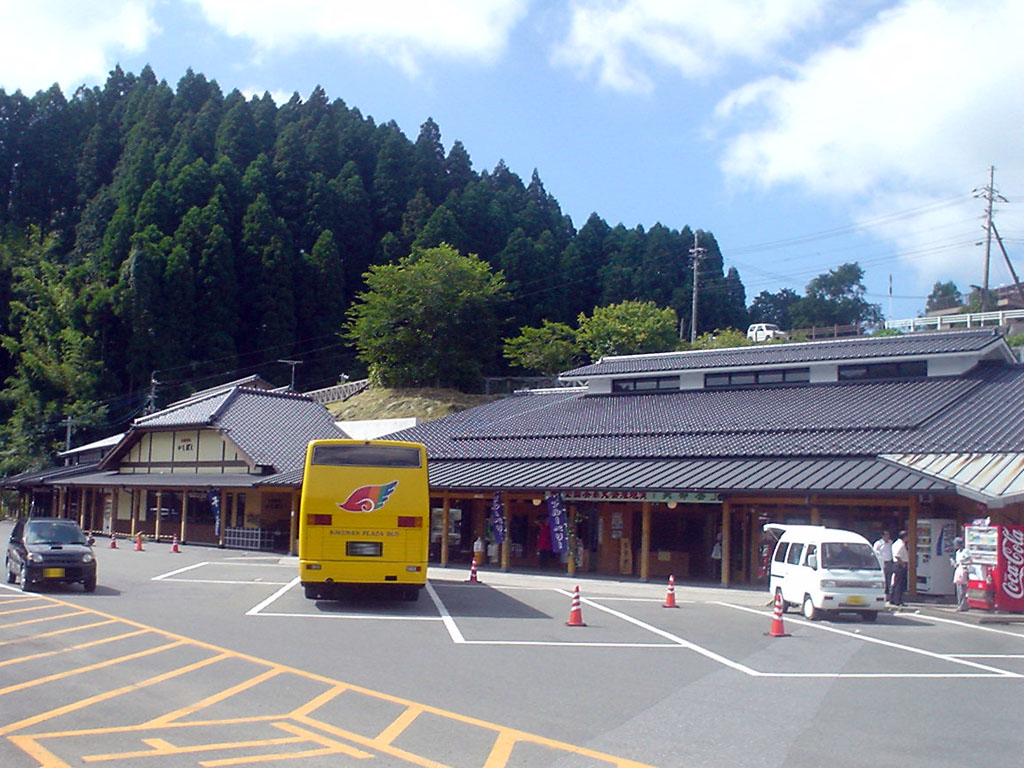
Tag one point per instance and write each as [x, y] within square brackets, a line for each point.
[869, 615]
[810, 611]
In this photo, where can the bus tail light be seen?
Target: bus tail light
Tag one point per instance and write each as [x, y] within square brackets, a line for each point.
[410, 522]
[318, 519]
[412, 568]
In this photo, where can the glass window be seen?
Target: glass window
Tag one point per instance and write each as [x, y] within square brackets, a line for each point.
[797, 375]
[716, 380]
[769, 377]
[840, 555]
[739, 379]
[795, 551]
[812, 550]
[780, 552]
[359, 455]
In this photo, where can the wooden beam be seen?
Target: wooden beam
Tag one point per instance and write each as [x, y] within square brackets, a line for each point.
[645, 541]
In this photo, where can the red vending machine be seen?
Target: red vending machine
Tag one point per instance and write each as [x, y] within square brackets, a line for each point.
[996, 567]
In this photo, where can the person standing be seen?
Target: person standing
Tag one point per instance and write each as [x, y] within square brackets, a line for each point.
[901, 567]
[883, 551]
[961, 559]
[716, 557]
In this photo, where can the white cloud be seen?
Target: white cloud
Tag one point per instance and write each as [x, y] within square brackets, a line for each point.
[621, 40]
[68, 41]
[398, 31]
[913, 108]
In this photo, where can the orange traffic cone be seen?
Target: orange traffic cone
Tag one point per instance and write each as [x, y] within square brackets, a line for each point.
[670, 596]
[472, 575]
[576, 612]
[174, 546]
[138, 543]
[113, 541]
[777, 629]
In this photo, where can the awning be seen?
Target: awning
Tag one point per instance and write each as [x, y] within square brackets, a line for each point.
[166, 480]
[996, 479]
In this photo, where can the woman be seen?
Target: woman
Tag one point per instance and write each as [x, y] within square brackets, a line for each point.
[960, 560]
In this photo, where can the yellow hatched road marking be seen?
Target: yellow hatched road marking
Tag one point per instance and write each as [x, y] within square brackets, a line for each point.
[506, 739]
[44, 618]
[43, 607]
[70, 648]
[57, 632]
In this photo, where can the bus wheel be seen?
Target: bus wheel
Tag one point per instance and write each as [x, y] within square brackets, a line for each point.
[412, 594]
[312, 593]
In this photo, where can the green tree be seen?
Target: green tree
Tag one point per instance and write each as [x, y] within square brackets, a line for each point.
[836, 297]
[776, 308]
[428, 320]
[547, 350]
[944, 296]
[56, 372]
[628, 328]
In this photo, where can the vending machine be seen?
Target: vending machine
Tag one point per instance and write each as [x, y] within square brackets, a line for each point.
[934, 552]
[996, 569]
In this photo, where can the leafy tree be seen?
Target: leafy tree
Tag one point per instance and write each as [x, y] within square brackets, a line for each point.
[428, 320]
[944, 296]
[836, 297]
[632, 327]
[720, 339]
[547, 350]
[55, 371]
[776, 308]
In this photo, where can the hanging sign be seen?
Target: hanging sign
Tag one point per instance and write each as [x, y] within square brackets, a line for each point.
[498, 518]
[556, 519]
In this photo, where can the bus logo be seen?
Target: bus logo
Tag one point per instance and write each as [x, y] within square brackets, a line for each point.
[369, 498]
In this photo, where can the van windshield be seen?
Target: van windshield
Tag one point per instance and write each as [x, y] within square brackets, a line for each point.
[859, 556]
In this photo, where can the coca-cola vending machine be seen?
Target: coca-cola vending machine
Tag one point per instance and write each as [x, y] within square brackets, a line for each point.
[996, 567]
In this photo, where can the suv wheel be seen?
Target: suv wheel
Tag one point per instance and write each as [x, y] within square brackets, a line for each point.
[11, 578]
[90, 583]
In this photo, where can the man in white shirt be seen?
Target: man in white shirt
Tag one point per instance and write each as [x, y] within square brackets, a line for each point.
[901, 561]
[883, 551]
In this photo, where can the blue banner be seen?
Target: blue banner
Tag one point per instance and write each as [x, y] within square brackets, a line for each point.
[557, 521]
[498, 518]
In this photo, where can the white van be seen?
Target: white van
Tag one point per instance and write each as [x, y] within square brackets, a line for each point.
[826, 569]
[759, 332]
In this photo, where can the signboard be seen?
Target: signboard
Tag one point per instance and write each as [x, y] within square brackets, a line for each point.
[1010, 554]
[655, 497]
[558, 524]
[498, 518]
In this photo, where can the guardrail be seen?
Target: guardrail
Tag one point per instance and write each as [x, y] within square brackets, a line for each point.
[338, 392]
[827, 332]
[969, 320]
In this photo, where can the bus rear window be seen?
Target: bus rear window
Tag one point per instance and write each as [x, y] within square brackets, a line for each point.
[366, 456]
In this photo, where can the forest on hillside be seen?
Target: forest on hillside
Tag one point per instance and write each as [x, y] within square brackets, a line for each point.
[181, 236]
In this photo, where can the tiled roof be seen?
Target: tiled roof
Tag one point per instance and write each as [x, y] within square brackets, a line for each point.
[714, 476]
[905, 345]
[967, 412]
[270, 427]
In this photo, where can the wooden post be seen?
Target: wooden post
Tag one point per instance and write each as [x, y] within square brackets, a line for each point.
[445, 522]
[293, 525]
[645, 541]
[159, 514]
[137, 496]
[184, 515]
[915, 507]
[726, 541]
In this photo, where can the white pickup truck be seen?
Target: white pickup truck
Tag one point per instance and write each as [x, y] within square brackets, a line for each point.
[765, 332]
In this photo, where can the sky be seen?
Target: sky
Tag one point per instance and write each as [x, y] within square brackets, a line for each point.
[802, 133]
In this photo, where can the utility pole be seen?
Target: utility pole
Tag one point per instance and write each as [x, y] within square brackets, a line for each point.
[990, 195]
[696, 253]
[150, 406]
[292, 363]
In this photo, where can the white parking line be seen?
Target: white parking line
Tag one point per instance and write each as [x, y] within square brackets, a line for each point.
[953, 659]
[167, 576]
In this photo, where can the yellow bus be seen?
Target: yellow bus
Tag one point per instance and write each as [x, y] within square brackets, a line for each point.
[364, 517]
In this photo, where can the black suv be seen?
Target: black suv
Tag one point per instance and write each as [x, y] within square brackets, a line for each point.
[50, 550]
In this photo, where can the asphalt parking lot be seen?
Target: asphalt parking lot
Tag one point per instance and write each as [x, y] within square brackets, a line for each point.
[212, 656]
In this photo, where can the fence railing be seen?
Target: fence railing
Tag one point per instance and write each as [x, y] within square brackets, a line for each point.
[969, 320]
[338, 392]
[827, 332]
